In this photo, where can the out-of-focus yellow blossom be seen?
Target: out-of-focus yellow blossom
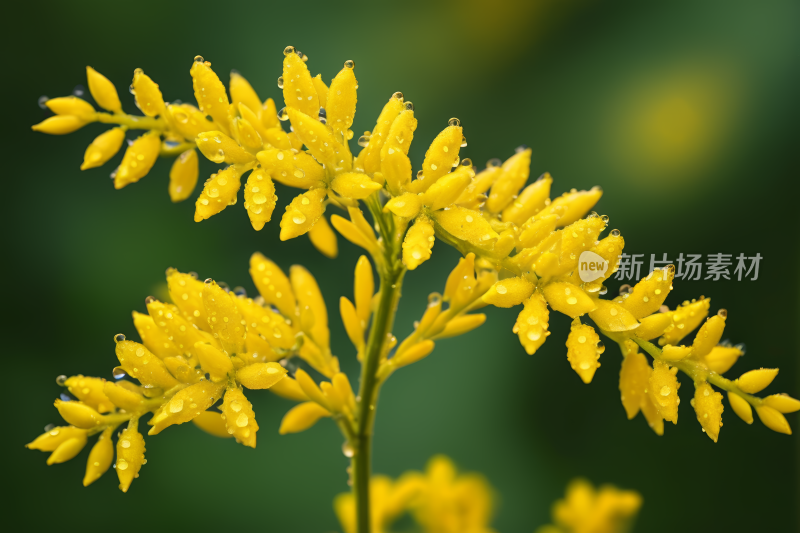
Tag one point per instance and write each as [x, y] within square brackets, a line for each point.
[440, 500]
[585, 509]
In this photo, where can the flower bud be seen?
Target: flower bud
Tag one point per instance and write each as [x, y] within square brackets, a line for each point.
[100, 458]
[633, 379]
[708, 407]
[210, 94]
[418, 243]
[213, 361]
[354, 185]
[89, 391]
[741, 407]
[218, 193]
[243, 93]
[413, 354]
[515, 173]
[773, 419]
[239, 417]
[50, 440]
[721, 358]
[301, 417]
[148, 95]
[441, 155]
[139, 158]
[103, 91]
[130, 455]
[183, 176]
[509, 292]
[568, 299]
[583, 351]
[185, 405]
[104, 147]
[466, 225]
[298, 88]
[212, 423]
[59, 125]
[139, 363]
[663, 390]
[302, 213]
[260, 375]
[532, 323]
[341, 100]
[684, 320]
[78, 414]
[756, 380]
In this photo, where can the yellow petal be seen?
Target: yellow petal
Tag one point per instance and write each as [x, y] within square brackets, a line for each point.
[70, 105]
[532, 323]
[663, 390]
[741, 407]
[302, 213]
[708, 407]
[773, 420]
[352, 324]
[239, 417]
[301, 417]
[183, 176]
[104, 147]
[148, 95]
[509, 292]
[573, 205]
[583, 351]
[341, 100]
[324, 239]
[461, 325]
[298, 87]
[272, 284]
[708, 336]
[212, 423]
[396, 170]
[568, 299]
[649, 294]
[78, 414]
[633, 379]
[782, 403]
[400, 134]
[154, 338]
[268, 113]
[139, 158]
[370, 157]
[67, 449]
[210, 94]
[174, 325]
[515, 173]
[220, 148]
[445, 191]
[298, 170]
[721, 358]
[224, 319]
[243, 93]
[354, 185]
[413, 353]
[122, 397]
[684, 320]
[473, 196]
[188, 120]
[756, 380]
[418, 243]
[310, 298]
[246, 134]
[139, 363]
[289, 388]
[406, 205]
[322, 90]
[50, 440]
[89, 390]
[535, 230]
[219, 192]
[611, 316]
[103, 91]
[530, 201]
[675, 353]
[466, 225]
[259, 198]
[316, 137]
[100, 458]
[364, 289]
[653, 326]
[441, 156]
[260, 375]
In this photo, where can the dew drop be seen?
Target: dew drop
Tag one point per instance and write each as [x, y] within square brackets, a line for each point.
[409, 106]
[118, 373]
[363, 141]
[466, 162]
[454, 122]
[348, 450]
[289, 50]
[494, 162]
[119, 337]
[349, 64]
[43, 102]
[242, 420]
[280, 82]
[283, 115]
[199, 59]
[122, 464]
[615, 233]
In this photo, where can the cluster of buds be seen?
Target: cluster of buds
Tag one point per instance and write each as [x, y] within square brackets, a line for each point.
[195, 358]
[585, 509]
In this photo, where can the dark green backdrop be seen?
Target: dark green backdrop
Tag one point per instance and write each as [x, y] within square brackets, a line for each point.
[685, 113]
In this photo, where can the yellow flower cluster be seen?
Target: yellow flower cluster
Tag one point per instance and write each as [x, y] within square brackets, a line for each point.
[206, 346]
[587, 510]
[440, 500]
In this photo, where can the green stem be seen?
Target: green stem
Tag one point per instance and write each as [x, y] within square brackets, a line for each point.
[132, 122]
[390, 285]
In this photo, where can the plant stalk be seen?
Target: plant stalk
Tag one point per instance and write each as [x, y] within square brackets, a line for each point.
[390, 285]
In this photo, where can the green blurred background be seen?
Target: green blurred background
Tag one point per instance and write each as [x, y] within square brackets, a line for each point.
[685, 112]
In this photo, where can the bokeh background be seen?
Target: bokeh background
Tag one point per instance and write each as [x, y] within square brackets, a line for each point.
[685, 112]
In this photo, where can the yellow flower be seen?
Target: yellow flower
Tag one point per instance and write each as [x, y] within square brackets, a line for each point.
[588, 510]
[440, 500]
